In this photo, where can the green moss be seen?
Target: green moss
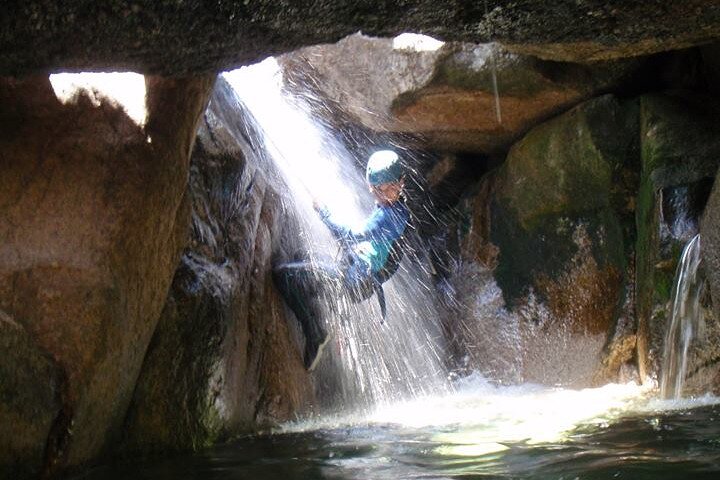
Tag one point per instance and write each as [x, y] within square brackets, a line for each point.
[404, 100]
[680, 138]
[663, 287]
[547, 248]
[571, 172]
[212, 425]
[558, 169]
[678, 146]
[646, 246]
[609, 247]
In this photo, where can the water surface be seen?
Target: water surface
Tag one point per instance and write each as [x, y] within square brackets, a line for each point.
[525, 432]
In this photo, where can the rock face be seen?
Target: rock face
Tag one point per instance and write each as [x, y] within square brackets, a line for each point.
[711, 59]
[601, 31]
[31, 396]
[173, 37]
[679, 160]
[223, 359]
[459, 97]
[545, 266]
[92, 222]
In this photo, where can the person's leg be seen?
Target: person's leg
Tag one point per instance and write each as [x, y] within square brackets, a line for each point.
[357, 281]
[301, 285]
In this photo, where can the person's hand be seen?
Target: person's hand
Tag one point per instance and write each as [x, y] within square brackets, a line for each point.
[317, 205]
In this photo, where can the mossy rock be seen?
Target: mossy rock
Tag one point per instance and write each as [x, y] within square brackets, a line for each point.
[173, 406]
[570, 164]
[549, 249]
[680, 153]
[566, 175]
[680, 138]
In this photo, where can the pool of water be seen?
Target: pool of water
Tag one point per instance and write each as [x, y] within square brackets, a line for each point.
[617, 431]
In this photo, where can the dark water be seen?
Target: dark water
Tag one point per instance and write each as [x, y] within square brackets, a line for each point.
[683, 444]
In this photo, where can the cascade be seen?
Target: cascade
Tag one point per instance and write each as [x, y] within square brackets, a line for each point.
[685, 322]
[369, 362]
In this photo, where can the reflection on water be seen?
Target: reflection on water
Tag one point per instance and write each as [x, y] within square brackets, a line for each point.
[617, 431]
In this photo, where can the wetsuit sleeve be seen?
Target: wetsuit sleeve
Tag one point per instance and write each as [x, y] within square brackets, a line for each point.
[339, 230]
[382, 224]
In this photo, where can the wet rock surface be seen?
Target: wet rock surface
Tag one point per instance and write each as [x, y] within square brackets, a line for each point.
[679, 161]
[175, 37]
[91, 227]
[549, 240]
[223, 359]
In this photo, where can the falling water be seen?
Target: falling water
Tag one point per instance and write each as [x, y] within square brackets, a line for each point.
[685, 321]
[370, 362]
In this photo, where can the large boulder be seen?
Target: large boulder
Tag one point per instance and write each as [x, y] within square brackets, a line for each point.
[458, 96]
[223, 359]
[680, 156]
[174, 37]
[546, 241]
[92, 223]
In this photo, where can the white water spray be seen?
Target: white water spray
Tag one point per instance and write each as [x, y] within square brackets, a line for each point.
[480, 417]
[370, 363]
[685, 322]
[396, 370]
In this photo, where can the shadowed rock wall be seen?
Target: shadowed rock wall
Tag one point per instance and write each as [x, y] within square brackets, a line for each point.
[680, 157]
[223, 359]
[92, 222]
[194, 36]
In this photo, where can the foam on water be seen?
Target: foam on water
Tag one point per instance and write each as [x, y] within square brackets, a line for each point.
[481, 418]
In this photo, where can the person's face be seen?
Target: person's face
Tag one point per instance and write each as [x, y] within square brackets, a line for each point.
[387, 193]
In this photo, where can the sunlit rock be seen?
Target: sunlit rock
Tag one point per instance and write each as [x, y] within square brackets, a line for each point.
[545, 250]
[460, 97]
[223, 359]
[91, 228]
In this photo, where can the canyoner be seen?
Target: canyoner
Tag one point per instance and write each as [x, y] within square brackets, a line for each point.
[370, 255]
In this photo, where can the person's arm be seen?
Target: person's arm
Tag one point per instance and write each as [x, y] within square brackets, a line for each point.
[338, 229]
[380, 224]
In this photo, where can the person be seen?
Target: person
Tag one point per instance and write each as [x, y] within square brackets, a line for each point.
[371, 255]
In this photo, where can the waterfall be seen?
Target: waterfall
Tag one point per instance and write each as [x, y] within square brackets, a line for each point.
[685, 321]
[369, 362]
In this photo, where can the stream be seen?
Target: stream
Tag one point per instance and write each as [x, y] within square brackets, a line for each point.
[481, 431]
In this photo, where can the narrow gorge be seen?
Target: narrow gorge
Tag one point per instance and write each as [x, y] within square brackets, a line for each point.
[559, 160]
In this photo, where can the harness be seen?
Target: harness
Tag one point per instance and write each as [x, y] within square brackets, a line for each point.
[374, 281]
[391, 265]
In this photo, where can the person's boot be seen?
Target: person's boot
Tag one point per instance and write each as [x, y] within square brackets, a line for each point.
[295, 281]
[315, 344]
